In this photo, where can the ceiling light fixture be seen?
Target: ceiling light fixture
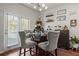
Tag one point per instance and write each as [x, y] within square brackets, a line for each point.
[40, 6]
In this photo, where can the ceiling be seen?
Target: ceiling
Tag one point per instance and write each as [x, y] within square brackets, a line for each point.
[49, 5]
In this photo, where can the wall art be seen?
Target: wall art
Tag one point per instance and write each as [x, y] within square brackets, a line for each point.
[73, 23]
[62, 11]
[61, 18]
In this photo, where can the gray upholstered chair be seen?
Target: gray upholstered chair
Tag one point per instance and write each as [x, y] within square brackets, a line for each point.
[28, 31]
[26, 42]
[51, 44]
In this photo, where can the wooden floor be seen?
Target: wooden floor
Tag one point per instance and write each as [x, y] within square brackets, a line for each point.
[61, 52]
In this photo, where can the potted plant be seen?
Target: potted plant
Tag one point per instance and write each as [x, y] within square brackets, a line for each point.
[74, 40]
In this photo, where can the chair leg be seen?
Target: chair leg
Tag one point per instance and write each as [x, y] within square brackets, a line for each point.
[56, 52]
[20, 51]
[36, 51]
[24, 52]
[30, 51]
[46, 53]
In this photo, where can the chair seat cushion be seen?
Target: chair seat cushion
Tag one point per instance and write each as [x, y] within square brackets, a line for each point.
[44, 45]
[29, 43]
[28, 35]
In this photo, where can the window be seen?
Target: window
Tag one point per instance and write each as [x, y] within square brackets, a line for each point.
[13, 29]
[25, 24]
[14, 25]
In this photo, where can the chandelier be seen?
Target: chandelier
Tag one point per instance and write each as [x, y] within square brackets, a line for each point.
[40, 6]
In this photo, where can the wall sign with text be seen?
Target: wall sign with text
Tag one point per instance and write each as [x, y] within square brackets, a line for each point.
[62, 11]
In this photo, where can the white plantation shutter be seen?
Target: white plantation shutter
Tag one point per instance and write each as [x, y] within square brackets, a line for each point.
[13, 24]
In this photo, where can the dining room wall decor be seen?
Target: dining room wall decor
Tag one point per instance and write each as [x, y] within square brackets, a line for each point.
[49, 15]
[50, 20]
[62, 11]
[73, 22]
[61, 18]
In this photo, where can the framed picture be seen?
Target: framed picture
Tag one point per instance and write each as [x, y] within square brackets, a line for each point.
[73, 23]
[49, 18]
[60, 12]
[61, 18]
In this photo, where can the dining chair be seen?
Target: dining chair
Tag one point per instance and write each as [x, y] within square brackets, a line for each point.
[26, 42]
[51, 44]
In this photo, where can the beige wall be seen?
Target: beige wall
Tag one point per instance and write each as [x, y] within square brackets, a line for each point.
[71, 8]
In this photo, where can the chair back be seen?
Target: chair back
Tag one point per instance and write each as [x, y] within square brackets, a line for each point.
[22, 36]
[28, 31]
[53, 40]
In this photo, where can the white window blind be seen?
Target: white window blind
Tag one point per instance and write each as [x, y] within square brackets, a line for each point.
[25, 24]
[14, 25]
[13, 28]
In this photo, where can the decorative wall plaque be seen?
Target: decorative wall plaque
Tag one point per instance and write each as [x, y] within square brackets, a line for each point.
[62, 11]
[61, 18]
[73, 23]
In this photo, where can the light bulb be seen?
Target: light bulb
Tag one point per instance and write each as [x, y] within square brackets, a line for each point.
[43, 5]
[46, 7]
[40, 9]
[34, 7]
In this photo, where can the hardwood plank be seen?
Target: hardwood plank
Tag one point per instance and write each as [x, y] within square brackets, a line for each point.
[61, 52]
